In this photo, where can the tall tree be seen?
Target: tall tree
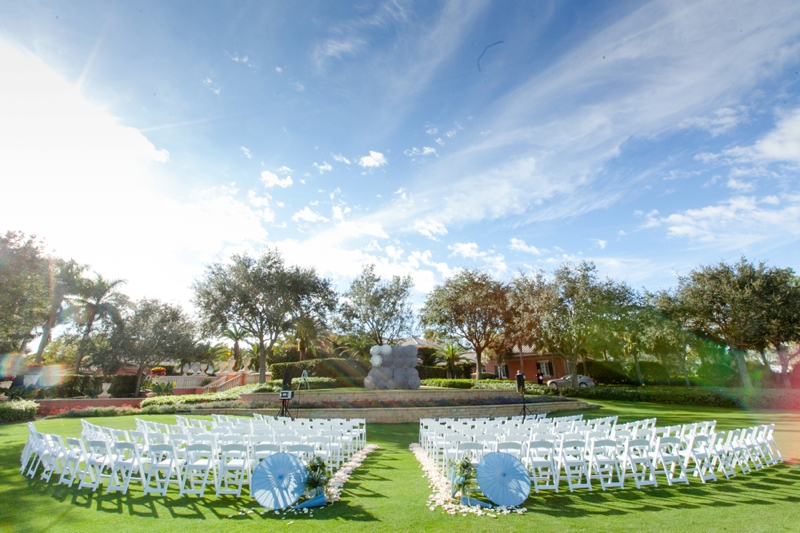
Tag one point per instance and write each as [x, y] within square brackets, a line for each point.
[721, 304]
[470, 305]
[98, 299]
[779, 310]
[377, 309]
[527, 300]
[582, 310]
[152, 333]
[452, 355]
[307, 331]
[63, 280]
[262, 296]
[23, 290]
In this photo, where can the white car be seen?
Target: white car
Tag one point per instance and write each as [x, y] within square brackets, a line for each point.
[566, 381]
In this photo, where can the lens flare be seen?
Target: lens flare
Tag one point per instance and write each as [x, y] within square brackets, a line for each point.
[51, 375]
[11, 365]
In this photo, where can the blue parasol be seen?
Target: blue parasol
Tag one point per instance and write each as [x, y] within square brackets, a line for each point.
[278, 481]
[317, 501]
[503, 479]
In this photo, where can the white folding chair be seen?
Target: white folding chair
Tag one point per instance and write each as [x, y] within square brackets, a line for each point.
[637, 459]
[159, 469]
[126, 465]
[97, 462]
[196, 470]
[667, 459]
[604, 463]
[541, 462]
[75, 455]
[697, 457]
[572, 459]
[232, 470]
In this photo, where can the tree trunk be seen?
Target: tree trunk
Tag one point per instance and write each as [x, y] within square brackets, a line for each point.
[638, 369]
[262, 361]
[521, 361]
[47, 330]
[237, 356]
[139, 376]
[83, 344]
[783, 357]
[742, 366]
[573, 363]
[478, 364]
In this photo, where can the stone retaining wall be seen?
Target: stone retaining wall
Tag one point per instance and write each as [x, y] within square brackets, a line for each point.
[50, 406]
[334, 398]
[386, 415]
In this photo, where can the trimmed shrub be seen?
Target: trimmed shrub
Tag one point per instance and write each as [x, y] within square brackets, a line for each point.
[431, 372]
[122, 386]
[18, 410]
[89, 412]
[329, 367]
[652, 372]
[716, 374]
[605, 372]
[449, 383]
[664, 395]
[230, 394]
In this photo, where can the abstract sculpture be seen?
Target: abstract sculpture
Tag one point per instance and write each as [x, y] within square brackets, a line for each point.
[393, 368]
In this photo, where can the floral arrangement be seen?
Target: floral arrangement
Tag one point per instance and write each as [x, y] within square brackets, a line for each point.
[317, 476]
[443, 494]
[464, 473]
[158, 371]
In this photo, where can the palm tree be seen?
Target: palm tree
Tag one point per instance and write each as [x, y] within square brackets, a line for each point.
[63, 280]
[97, 299]
[451, 354]
[236, 334]
[307, 332]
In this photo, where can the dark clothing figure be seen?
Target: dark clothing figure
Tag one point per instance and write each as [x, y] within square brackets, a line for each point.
[540, 378]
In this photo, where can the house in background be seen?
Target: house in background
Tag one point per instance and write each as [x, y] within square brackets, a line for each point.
[529, 362]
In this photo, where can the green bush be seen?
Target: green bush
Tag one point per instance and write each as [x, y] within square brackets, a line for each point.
[432, 372]
[716, 374]
[230, 394]
[605, 372]
[18, 410]
[122, 386]
[330, 367]
[449, 383]
[665, 395]
[652, 372]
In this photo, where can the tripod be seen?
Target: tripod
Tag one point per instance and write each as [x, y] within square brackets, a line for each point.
[285, 409]
[525, 412]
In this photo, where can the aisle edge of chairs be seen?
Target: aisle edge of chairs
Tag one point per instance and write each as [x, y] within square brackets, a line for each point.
[601, 450]
[190, 454]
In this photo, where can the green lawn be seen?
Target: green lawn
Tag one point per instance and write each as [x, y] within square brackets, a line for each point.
[388, 493]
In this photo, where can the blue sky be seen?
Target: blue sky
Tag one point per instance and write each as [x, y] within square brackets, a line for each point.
[151, 138]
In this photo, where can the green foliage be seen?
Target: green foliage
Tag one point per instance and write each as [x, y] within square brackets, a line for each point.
[76, 386]
[716, 374]
[18, 410]
[664, 395]
[449, 383]
[162, 388]
[122, 386]
[431, 372]
[230, 394]
[470, 305]
[261, 296]
[605, 372]
[653, 372]
[317, 475]
[376, 309]
[90, 412]
[464, 475]
[428, 355]
[328, 367]
[24, 296]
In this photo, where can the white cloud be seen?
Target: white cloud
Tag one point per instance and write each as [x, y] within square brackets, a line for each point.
[324, 167]
[439, 141]
[246, 152]
[430, 228]
[743, 186]
[284, 170]
[469, 250]
[600, 243]
[432, 130]
[373, 160]
[341, 159]
[278, 70]
[299, 87]
[738, 222]
[520, 246]
[271, 180]
[416, 152]
[307, 215]
[721, 121]
[337, 48]
[780, 145]
[339, 212]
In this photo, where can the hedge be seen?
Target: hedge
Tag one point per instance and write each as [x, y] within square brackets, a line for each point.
[605, 372]
[663, 395]
[431, 372]
[330, 367]
[122, 386]
[230, 394]
[449, 383]
[18, 410]
[314, 384]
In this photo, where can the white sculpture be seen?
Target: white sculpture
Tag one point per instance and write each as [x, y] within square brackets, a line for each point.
[393, 368]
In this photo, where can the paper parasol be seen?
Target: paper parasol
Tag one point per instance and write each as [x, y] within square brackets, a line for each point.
[279, 481]
[503, 479]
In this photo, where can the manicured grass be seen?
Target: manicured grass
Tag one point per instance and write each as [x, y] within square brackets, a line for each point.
[388, 493]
